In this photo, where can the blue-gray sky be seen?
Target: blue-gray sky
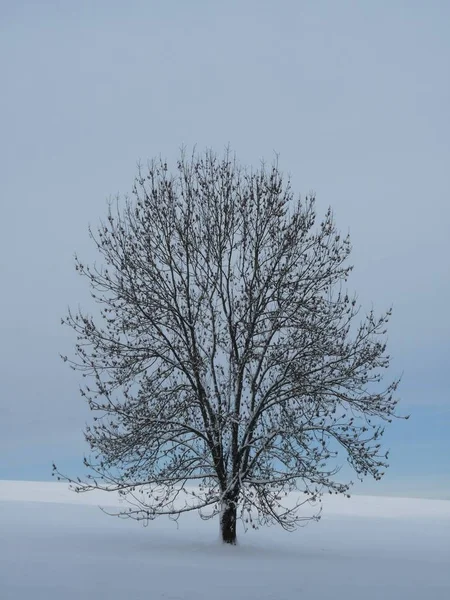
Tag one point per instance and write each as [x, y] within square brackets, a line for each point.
[353, 95]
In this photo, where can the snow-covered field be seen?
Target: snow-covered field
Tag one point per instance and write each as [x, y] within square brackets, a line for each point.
[56, 545]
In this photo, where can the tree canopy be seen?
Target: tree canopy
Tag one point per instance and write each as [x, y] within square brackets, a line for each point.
[229, 366]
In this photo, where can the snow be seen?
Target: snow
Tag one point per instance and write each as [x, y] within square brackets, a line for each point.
[56, 545]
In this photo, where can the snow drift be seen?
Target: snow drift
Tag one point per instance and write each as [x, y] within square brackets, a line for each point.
[57, 545]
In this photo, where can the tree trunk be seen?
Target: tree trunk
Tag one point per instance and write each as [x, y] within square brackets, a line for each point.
[228, 522]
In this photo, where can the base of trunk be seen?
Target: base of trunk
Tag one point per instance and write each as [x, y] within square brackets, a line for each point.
[228, 523]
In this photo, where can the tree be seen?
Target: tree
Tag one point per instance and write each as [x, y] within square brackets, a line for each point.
[228, 367]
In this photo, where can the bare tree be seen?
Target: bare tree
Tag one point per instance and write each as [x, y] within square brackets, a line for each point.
[228, 367]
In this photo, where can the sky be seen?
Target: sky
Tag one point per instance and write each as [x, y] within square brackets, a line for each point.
[353, 96]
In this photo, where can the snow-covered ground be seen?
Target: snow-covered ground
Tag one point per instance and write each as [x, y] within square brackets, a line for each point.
[56, 545]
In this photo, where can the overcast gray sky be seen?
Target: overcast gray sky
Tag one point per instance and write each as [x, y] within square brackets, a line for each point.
[353, 95]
